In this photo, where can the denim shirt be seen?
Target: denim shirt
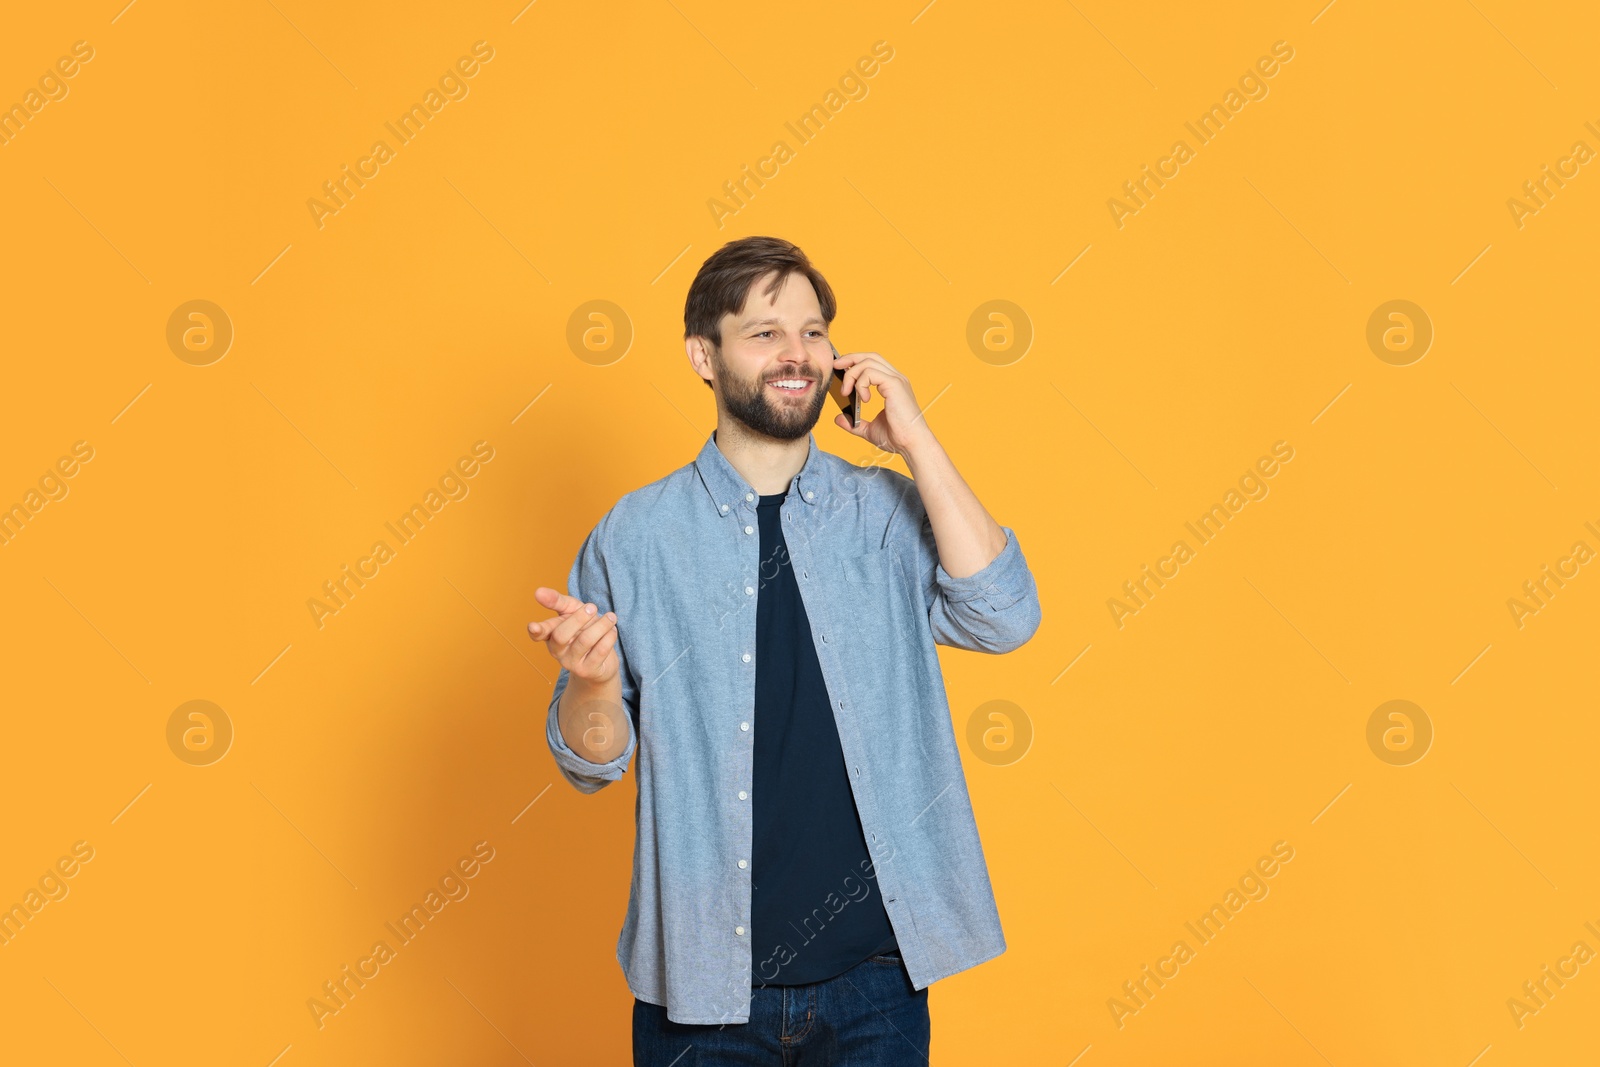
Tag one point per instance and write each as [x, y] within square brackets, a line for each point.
[679, 562]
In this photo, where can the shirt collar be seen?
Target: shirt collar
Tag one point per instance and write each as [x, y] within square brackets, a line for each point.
[728, 488]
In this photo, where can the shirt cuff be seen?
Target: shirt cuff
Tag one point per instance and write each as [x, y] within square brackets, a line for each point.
[1002, 582]
[586, 776]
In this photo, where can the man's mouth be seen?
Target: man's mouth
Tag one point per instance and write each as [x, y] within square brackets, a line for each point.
[797, 386]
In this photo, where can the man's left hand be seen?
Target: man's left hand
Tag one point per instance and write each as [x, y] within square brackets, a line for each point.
[900, 425]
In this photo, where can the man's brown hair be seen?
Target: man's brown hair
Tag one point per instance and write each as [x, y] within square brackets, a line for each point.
[725, 279]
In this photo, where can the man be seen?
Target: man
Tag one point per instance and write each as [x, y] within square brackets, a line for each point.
[759, 627]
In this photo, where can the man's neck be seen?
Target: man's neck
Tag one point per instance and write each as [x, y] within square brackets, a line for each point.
[769, 465]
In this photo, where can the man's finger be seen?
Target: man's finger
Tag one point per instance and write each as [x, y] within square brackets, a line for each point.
[856, 380]
[601, 649]
[570, 625]
[599, 627]
[541, 629]
[556, 600]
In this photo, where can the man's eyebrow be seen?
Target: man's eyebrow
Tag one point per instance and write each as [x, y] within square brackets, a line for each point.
[815, 320]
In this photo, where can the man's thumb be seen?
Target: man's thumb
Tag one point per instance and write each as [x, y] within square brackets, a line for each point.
[557, 601]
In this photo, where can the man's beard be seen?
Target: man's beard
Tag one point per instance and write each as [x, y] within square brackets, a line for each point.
[765, 414]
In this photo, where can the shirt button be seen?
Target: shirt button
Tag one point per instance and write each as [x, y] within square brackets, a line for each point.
[746, 796]
[749, 496]
[724, 507]
[810, 495]
[749, 591]
[749, 529]
[742, 865]
[747, 657]
[739, 930]
[744, 726]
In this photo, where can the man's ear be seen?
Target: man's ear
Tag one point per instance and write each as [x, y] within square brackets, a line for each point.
[699, 352]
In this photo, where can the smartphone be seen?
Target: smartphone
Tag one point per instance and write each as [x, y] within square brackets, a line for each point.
[851, 406]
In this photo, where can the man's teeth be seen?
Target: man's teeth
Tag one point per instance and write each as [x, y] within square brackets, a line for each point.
[791, 383]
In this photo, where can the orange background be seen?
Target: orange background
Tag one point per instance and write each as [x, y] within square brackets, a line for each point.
[370, 754]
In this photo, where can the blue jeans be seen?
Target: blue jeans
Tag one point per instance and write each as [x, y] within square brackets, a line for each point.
[869, 1016]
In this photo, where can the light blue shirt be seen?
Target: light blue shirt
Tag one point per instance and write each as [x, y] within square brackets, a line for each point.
[679, 562]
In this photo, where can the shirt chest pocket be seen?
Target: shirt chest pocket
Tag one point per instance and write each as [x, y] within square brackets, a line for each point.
[866, 599]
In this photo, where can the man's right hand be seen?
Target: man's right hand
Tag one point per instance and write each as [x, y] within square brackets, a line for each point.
[579, 638]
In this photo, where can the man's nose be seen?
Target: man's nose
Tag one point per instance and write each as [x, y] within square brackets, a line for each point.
[795, 352]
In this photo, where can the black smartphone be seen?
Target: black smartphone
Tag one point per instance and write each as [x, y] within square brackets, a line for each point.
[851, 405]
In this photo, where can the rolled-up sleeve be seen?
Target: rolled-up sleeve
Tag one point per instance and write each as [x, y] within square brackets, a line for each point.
[589, 582]
[995, 610]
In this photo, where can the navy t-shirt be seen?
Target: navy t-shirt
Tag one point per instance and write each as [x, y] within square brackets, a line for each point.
[815, 908]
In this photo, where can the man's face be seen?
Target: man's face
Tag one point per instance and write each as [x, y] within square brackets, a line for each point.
[776, 338]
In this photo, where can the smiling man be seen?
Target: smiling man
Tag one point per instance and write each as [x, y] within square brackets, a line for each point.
[759, 627]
